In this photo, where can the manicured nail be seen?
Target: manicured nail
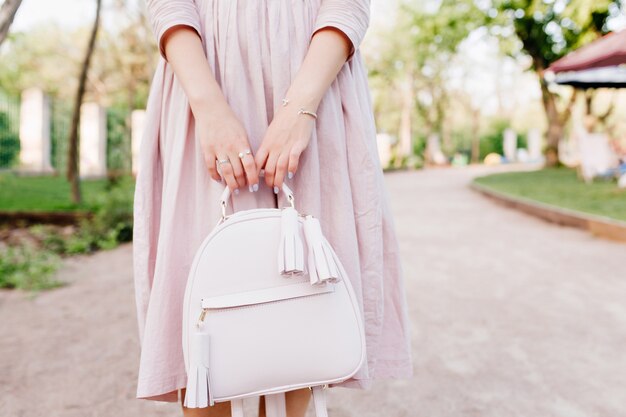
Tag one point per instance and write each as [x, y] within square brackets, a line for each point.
[250, 188]
[290, 175]
[275, 190]
[236, 190]
[255, 187]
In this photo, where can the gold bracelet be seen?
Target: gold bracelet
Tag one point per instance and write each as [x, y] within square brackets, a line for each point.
[310, 113]
[302, 110]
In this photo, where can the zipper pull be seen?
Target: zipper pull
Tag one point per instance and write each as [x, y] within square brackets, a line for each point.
[200, 323]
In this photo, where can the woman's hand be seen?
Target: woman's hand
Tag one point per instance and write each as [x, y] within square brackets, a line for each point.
[286, 137]
[289, 132]
[222, 136]
[220, 133]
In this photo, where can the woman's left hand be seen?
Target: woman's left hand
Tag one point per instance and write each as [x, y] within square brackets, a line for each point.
[286, 138]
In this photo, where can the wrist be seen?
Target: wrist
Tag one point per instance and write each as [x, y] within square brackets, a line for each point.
[209, 105]
[303, 96]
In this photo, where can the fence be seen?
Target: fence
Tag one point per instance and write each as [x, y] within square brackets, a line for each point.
[9, 130]
[114, 126]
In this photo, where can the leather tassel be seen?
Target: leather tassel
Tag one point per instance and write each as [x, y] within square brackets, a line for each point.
[198, 392]
[291, 248]
[320, 261]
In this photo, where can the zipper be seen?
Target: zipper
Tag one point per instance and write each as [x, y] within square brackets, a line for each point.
[205, 310]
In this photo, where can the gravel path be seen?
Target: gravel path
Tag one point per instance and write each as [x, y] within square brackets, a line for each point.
[511, 316]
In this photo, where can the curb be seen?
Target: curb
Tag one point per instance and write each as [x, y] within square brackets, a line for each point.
[597, 225]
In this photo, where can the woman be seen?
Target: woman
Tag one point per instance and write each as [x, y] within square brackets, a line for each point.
[244, 86]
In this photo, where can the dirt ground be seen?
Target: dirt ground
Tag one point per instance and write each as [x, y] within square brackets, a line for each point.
[511, 316]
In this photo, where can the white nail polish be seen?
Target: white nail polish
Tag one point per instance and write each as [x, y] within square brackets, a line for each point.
[250, 188]
[236, 190]
[290, 175]
[275, 190]
[255, 187]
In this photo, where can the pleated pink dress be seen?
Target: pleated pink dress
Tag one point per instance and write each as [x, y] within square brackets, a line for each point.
[254, 48]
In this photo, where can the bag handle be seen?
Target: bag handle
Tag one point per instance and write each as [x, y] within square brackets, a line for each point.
[226, 194]
[275, 404]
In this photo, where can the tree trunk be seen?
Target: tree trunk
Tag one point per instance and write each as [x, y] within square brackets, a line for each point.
[7, 14]
[406, 128]
[556, 120]
[475, 136]
[72, 160]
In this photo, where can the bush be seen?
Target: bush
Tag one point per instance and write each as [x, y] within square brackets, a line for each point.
[9, 143]
[493, 140]
[112, 220]
[27, 268]
[110, 224]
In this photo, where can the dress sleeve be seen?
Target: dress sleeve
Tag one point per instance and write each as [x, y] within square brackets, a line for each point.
[352, 17]
[165, 14]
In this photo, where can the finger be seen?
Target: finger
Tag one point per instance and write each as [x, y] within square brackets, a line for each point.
[270, 168]
[260, 158]
[211, 164]
[238, 172]
[228, 175]
[294, 160]
[250, 169]
[281, 170]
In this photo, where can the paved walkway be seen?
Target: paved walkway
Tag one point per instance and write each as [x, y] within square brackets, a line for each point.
[511, 316]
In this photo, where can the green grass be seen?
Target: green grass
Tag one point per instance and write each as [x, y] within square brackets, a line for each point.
[44, 193]
[561, 187]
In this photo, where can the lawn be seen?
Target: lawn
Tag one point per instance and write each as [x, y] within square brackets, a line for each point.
[45, 193]
[561, 187]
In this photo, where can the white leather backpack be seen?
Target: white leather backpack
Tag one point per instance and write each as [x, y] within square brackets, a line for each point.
[268, 308]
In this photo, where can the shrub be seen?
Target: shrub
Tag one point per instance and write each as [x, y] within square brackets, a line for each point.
[27, 268]
[112, 220]
[9, 143]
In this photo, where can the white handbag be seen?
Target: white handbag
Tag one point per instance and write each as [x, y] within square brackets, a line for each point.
[268, 308]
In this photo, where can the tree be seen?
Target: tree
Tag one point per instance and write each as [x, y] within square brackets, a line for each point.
[7, 14]
[415, 60]
[72, 164]
[548, 30]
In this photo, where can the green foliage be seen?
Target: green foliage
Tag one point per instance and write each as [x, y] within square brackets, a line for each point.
[118, 140]
[30, 267]
[409, 68]
[460, 141]
[27, 268]
[548, 30]
[60, 120]
[48, 236]
[492, 140]
[9, 143]
[112, 220]
[561, 187]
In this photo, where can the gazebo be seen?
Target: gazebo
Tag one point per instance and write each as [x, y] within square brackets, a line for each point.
[601, 63]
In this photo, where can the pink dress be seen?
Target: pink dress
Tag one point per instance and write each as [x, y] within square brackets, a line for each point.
[254, 48]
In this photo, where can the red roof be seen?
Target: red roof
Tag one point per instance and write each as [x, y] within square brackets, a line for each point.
[609, 50]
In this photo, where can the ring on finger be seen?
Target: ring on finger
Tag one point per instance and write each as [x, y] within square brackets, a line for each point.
[244, 153]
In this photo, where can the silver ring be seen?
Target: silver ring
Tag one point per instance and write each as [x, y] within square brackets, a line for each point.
[244, 153]
[223, 161]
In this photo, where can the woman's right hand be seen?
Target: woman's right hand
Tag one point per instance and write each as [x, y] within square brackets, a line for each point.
[222, 136]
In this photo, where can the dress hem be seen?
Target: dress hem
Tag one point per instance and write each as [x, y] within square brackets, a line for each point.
[365, 384]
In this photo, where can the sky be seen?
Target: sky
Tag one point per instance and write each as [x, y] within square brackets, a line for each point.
[77, 12]
[65, 12]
